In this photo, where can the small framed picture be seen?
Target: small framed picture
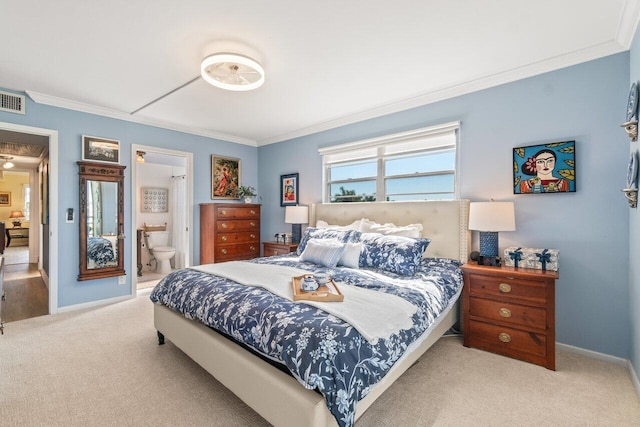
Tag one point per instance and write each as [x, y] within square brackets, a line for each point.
[96, 149]
[547, 168]
[289, 189]
[225, 177]
[5, 198]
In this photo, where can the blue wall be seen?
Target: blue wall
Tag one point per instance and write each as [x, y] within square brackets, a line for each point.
[71, 125]
[634, 232]
[585, 103]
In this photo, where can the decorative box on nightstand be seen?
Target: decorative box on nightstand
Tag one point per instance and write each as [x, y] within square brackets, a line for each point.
[510, 311]
[274, 248]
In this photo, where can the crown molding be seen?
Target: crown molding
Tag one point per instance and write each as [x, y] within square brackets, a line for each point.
[628, 23]
[54, 101]
[519, 73]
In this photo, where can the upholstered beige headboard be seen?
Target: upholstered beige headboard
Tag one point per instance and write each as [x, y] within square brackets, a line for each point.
[444, 221]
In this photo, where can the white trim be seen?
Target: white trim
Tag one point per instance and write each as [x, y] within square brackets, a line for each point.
[55, 101]
[628, 23]
[592, 354]
[93, 304]
[134, 204]
[53, 205]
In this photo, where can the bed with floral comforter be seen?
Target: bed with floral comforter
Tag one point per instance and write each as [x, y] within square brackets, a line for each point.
[320, 350]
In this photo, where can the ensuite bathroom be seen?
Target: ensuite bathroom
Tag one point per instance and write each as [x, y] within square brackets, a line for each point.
[162, 236]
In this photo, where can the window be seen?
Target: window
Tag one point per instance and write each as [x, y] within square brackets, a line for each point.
[26, 192]
[414, 165]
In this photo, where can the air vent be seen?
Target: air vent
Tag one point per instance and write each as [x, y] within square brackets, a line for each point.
[12, 103]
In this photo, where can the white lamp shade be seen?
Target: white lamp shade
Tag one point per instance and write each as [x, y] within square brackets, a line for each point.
[492, 216]
[296, 214]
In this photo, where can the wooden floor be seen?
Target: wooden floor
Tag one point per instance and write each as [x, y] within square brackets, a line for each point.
[26, 295]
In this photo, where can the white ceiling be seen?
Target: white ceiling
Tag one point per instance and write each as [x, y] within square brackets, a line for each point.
[327, 63]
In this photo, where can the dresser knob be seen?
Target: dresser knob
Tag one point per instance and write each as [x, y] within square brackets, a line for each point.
[275, 253]
[504, 337]
[223, 251]
[253, 224]
[504, 287]
[223, 238]
[253, 248]
[253, 236]
[223, 225]
[504, 312]
[252, 212]
[223, 212]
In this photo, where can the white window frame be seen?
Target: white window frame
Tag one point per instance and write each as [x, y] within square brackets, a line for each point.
[375, 148]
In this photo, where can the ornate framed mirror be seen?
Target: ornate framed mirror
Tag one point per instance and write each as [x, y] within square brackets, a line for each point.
[101, 220]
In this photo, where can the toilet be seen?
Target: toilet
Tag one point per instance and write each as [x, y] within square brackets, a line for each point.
[157, 242]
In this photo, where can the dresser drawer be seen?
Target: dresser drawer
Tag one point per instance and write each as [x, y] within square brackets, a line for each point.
[515, 314]
[507, 341]
[509, 288]
[240, 251]
[237, 212]
[222, 238]
[238, 225]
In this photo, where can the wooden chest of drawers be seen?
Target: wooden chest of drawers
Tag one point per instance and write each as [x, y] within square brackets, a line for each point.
[274, 248]
[510, 311]
[229, 231]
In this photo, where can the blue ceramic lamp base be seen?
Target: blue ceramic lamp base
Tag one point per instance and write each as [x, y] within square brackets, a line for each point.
[489, 243]
[296, 233]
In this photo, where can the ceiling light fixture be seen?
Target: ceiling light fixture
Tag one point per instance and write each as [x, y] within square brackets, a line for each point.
[8, 164]
[232, 71]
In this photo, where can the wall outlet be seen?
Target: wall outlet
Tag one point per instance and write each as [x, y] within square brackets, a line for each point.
[122, 280]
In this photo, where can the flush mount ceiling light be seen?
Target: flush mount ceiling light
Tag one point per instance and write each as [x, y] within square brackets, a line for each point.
[232, 71]
[8, 164]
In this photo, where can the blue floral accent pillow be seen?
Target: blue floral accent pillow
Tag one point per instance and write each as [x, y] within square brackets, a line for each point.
[397, 254]
[344, 236]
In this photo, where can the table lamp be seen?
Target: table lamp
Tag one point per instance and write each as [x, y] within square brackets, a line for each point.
[489, 218]
[16, 215]
[296, 215]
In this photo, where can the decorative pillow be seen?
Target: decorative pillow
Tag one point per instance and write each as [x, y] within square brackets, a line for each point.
[325, 252]
[355, 225]
[351, 255]
[397, 254]
[343, 236]
[411, 230]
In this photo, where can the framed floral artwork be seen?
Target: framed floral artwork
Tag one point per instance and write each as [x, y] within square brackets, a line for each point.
[95, 149]
[5, 198]
[225, 177]
[546, 168]
[289, 189]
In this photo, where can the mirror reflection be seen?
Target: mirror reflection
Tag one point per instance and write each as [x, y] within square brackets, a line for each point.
[102, 224]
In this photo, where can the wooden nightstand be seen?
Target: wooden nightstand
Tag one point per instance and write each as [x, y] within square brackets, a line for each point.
[510, 311]
[273, 248]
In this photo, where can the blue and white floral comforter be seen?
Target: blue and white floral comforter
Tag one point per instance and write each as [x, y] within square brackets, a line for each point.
[100, 251]
[321, 351]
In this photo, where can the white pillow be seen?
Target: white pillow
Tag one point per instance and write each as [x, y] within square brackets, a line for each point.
[411, 230]
[366, 224]
[325, 252]
[355, 225]
[351, 255]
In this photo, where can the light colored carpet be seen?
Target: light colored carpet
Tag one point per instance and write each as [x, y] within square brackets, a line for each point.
[103, 367]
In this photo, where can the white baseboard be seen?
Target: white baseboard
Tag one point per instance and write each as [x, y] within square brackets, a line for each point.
[592, 354]
[94, 303]
[45, 277]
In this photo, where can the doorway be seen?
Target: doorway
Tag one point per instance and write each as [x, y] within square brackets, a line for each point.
[170, 173]
[30, 270]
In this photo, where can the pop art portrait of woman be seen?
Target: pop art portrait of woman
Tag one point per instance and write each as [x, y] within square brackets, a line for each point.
[548, 168]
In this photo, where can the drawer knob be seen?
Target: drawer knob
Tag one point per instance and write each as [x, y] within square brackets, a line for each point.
[253, 224]
[504, 337]
[504, 312]
[223, 238]
[252, 212]
[275, 253]
[223, 251]
[504, 287]
[253, 248]
[253, 236]
[223, 225]
[223, 212]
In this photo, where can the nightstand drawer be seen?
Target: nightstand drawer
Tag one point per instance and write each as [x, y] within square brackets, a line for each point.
[507, 288]
[515, 314]
[507, 341]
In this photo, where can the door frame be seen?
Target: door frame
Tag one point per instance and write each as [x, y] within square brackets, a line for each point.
[52, 277]
[135, 203]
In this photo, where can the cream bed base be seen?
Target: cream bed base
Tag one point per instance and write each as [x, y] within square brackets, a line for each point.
[278, 397]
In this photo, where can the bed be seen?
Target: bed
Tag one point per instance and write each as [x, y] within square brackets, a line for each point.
[279, 397]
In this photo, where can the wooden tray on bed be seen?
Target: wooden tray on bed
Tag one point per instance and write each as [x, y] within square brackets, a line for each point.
[325, 293]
